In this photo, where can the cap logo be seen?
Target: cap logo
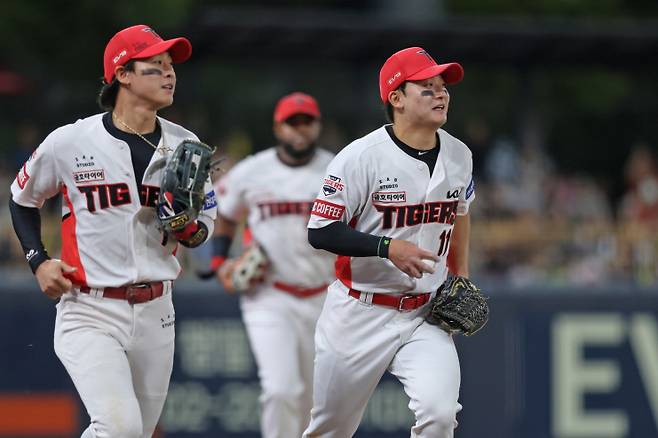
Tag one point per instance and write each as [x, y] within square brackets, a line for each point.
[394, 77]
[148, 29]
[423, 52]
[119, 56]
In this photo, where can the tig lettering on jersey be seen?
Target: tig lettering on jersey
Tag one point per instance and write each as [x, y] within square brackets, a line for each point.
[284, 208]
[108, 195]
[327, 210]
[399, 216]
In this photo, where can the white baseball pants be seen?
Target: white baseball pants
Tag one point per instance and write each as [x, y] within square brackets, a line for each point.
[356, 343]
[120, 358]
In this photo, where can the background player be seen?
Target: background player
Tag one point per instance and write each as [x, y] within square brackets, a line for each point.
[275, 188]
[403, 204]
[114, 330]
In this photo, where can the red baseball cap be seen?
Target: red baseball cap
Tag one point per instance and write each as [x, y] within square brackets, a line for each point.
[414, 64]
[296, 103]
[141, 41]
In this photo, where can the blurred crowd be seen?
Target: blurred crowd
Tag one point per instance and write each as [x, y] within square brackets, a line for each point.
[533, 225]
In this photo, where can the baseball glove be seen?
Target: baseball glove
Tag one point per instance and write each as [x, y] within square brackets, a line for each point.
[459, 307]
[241, 274]
[182, 186]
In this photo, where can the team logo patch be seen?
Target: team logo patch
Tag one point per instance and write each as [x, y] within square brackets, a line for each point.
[470, 189]
[389, 197]
[210, 201]
[332, 185]
[327, 210]
[22, 177]
[86, 176]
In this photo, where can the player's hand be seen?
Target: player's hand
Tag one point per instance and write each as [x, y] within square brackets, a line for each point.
[50, 275]
[408, 258]
[224, 275]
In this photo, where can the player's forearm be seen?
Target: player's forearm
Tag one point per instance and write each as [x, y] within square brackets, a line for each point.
[341, 239]
[458, 256]
[27, 225]
[222, 240]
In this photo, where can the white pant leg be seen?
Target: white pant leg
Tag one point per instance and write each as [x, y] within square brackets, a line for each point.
[354, 345]
[307, 355]
[89, 335]
[428, 367]
[151, 358]
[280, 329]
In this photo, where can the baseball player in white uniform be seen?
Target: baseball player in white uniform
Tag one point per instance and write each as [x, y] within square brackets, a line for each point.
[276, 188]
[399, 209]
[114, 330]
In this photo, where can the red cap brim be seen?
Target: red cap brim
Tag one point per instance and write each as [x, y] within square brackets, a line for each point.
[180, 50]
[451, 73]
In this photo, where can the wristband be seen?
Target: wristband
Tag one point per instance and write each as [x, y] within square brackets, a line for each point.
[383, 246]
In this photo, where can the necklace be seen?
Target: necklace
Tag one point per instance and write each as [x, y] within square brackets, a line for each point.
[162, 149]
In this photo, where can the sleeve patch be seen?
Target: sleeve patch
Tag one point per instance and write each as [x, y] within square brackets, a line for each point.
[470, 189]
[210, 201]
[327, 210]
[22, 176]
[332, 184]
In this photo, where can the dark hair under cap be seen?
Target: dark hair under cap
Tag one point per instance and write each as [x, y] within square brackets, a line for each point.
[107, 96]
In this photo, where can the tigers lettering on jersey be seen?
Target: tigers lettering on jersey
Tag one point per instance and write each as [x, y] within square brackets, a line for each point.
[282, 208]
[399, 216]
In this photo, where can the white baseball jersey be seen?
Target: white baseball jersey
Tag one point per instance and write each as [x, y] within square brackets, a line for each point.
[377, 188]
[278, 199]
[109, 226]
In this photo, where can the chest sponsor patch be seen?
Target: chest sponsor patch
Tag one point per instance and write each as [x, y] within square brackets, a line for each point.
[332, 185]
[22, 177]
[86, 176]
[327, 210]
[470, 189]
[210, 201]
[389, 197]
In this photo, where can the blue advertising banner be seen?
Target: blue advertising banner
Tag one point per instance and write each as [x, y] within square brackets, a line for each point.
[561, 365]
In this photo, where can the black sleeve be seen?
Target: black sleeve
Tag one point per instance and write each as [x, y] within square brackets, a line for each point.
[221, 246]
[27, 225]
[343, 240]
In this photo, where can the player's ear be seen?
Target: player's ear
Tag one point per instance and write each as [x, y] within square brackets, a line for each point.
[395, 98]
[121, 74]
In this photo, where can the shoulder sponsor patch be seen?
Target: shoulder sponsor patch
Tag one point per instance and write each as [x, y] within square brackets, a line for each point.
[327, 210]
[470, 189]
[22, 177]
[332, 185]
[389, 197]
[210, 201]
